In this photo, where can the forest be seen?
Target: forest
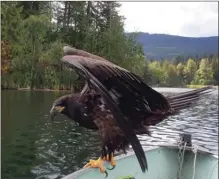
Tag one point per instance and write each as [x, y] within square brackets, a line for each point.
[33, 34]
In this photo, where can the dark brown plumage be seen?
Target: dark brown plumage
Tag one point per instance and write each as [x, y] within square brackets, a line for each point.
[117, 103]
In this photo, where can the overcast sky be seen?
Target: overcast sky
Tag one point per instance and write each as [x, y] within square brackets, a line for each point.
[191, 19]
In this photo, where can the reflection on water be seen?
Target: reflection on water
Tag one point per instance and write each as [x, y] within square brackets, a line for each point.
[33, 147]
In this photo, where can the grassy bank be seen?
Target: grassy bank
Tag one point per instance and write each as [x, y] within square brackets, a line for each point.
[28, 89]
[198, 86]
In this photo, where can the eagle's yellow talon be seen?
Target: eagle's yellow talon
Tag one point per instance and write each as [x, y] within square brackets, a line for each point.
[112, 161]
[97, 164]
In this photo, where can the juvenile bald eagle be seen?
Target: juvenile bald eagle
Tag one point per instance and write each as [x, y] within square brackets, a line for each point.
[117, 103]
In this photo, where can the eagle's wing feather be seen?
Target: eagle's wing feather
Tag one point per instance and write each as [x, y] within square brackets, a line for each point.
[82, 64]
[134, 96]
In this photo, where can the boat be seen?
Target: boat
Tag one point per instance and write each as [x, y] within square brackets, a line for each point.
[182, 160]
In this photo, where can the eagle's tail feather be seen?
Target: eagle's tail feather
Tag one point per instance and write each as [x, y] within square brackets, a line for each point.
[186, 99]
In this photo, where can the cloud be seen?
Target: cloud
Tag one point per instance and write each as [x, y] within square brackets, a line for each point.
[192, 19]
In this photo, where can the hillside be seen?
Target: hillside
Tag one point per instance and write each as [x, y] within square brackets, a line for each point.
[159, 46]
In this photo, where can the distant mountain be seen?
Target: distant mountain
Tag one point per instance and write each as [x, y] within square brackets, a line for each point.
[159, 46]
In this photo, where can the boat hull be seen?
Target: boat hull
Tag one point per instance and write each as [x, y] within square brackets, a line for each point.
[164, 163]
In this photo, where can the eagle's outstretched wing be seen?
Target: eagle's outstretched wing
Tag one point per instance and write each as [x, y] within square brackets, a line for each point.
[127, 96]
[75, 62]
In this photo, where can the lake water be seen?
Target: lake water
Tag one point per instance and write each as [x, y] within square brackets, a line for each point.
[33, 147]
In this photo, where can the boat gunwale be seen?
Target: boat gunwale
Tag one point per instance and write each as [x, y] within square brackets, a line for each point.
[75, 174]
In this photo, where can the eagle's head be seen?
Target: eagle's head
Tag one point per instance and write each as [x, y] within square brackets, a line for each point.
[62, 105]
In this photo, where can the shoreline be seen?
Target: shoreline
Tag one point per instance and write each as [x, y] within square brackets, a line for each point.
[58, 90]
[28, 89]
[200, 86]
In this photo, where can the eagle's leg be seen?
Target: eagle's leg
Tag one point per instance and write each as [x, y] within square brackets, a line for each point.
[97, 164]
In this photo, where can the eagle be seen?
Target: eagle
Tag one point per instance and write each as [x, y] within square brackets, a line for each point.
[117, 103]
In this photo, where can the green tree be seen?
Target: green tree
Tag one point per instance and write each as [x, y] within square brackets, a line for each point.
[10, 19]
[190, 70]
[146, 73]
[33, 31]
[34, 8]
[173, 79]
[204, 74]
[214, 66]
[159, 76]
[180, 73]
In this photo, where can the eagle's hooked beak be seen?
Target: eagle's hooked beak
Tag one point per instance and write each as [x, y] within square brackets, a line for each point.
[55, 110]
